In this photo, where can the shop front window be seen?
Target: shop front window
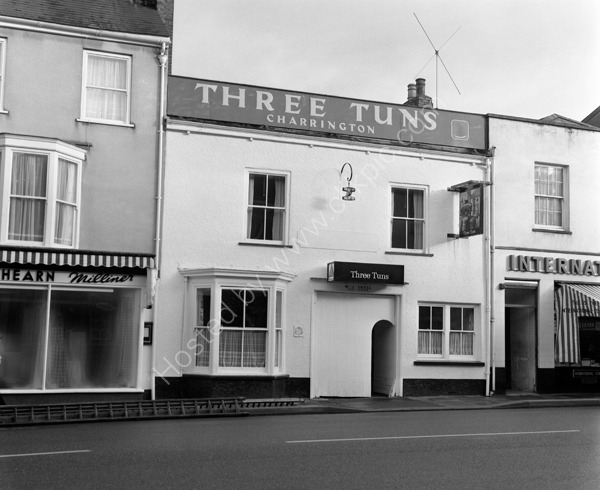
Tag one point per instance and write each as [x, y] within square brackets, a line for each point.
[589, 341]
[90, 340]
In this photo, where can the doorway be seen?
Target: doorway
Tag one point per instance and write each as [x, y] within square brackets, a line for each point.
[520, 340]
[383, 358]
[348, 329]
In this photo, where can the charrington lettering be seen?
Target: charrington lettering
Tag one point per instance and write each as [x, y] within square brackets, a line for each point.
[101, 278]
[551, 265]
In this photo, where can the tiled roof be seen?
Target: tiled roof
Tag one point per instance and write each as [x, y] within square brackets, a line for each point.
[128, 16]
[559, 120]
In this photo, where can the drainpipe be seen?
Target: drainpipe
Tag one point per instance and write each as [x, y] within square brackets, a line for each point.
[490, 381]
[492, 268]
[163, 59]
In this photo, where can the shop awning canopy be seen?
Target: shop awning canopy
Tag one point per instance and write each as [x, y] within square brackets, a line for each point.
[571, 302]
[74, 258]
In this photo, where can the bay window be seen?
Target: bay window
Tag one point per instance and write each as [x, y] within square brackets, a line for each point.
[105, 95]
[235, 322]
[446, 331]
[41, 181]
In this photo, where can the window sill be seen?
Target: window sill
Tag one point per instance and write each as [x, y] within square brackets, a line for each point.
[445, 362]
[3, 112]
[402, 252]
[265, 244]
[106, 123]
[237, 375]
[550, 230]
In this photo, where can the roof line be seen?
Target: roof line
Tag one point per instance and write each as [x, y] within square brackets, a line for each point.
[538, 121]
[83, 32]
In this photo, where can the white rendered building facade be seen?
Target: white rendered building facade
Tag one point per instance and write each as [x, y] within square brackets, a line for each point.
[272, 284]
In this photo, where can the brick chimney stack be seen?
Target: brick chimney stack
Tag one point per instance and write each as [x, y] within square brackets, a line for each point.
[416, 95]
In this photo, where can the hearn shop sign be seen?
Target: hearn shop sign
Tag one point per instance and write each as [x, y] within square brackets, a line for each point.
[272, 108]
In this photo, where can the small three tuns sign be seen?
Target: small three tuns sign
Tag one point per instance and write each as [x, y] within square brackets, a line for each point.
[365, 273]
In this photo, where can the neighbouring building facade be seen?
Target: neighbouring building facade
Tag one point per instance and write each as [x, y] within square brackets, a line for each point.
[81, 92]
[321, 246]
[547, 255]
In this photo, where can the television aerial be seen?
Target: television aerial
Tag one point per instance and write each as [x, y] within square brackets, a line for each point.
[438, 59]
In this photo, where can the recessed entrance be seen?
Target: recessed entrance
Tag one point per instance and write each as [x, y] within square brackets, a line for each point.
[349, 330]
[520, 339]
[383, 358]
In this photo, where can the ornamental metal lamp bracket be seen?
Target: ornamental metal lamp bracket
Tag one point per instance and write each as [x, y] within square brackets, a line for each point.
[348, 189]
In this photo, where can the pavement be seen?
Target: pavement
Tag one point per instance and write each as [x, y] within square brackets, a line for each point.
[429, 403]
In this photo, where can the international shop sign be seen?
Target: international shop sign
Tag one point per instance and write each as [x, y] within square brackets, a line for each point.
[274, 108]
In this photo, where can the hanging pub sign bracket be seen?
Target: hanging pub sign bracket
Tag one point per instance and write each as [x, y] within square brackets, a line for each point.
[470, 208]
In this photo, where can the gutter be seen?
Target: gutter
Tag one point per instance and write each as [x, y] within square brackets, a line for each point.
[82, 32]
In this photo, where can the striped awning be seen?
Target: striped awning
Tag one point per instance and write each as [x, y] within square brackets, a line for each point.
[74, 258]
[572, 301]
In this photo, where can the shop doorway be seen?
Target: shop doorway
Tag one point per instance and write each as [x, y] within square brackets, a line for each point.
[520, 340]
[383, 358]
[348, 329]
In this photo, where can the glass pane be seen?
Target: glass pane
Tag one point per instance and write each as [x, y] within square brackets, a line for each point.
[278, 342]
[276, 191]
[27, 219]
[437, 318]
[275, 224]
[254, 349]
[64, 224]
[203, 307]
[468, 319]
[202, 346]
[107, 72]
[399, 235]
[400, 203]
[29, 175]
[256, 223]
[106, 104]
[66, 189]
[278, 305]
[455, 319]
[232, 307]
[22, 332]
[230, 348]
[256, 309]
[258, 190]
[93, 339]
[424, 317]
[415, 202]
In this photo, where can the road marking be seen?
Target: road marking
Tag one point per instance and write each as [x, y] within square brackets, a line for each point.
[434, 436]
[44, 454]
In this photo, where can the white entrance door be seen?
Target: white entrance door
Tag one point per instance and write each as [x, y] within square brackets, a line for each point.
[342, 342]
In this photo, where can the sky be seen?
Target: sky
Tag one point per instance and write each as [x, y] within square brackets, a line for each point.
[523, 58]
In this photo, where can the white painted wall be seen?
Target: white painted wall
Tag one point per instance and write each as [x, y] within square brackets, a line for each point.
[205, 205]
[519, 144]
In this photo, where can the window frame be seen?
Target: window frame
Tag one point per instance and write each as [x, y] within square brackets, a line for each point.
[3, 44]
[54, 151]
[274, 284]
[286, 208]
[84, 86]
[564, 199]
[447, 331]
[423, 220]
